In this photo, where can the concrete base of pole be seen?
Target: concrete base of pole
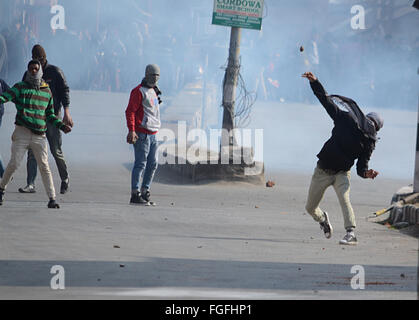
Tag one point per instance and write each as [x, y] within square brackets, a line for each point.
[236, 167]
[207, 173]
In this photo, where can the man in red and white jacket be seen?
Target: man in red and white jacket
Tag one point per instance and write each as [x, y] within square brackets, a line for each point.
[143, 122]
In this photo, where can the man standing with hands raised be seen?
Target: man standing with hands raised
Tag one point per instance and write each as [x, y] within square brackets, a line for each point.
[353, 138]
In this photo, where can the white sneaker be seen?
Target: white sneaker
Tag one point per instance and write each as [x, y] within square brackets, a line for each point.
[28, 189]
[349, 239]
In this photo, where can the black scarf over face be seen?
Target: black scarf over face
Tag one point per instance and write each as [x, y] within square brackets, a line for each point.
[366, 126]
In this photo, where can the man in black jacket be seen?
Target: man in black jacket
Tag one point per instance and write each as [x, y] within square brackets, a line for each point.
[353, 138]
[3, 87]
[56, 80]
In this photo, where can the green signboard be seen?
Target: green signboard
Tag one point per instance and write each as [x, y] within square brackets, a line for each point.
[238, 13]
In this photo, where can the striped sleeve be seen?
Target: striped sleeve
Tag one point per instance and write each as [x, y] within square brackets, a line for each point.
[10, 95]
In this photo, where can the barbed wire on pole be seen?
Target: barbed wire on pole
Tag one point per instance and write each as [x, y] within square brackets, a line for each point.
[244, 102]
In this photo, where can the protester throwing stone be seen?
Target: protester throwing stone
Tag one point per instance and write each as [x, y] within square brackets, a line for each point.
[353, 138]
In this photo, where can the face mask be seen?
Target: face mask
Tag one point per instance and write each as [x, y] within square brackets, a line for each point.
[152, 80]
[152, 75]
[35, 80]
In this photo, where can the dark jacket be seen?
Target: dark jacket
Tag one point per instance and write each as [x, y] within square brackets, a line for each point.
[353, 136]
[3, 87]
[57, 82]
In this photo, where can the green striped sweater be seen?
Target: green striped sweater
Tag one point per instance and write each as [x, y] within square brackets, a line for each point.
[34, 107]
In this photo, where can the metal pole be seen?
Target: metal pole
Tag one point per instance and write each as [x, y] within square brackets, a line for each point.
[230, 84]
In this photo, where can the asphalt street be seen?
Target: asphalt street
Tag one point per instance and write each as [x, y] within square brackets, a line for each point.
[213, 241]
[209, 241]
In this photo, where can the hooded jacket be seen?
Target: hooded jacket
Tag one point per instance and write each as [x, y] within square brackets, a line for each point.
[353, 136]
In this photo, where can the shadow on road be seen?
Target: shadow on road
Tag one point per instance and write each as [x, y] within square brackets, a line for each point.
[166, 272]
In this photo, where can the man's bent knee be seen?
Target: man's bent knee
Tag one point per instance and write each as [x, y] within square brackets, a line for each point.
[310, 209]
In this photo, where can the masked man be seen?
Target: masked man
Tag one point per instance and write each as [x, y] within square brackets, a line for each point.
[353, 138]
[35, 108]
[57, 83]
[143, 121]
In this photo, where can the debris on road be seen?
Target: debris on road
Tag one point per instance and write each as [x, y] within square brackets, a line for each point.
[270, 184]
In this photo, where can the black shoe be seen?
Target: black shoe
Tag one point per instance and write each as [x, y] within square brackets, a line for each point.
[136, 198]
[52, 204]
[64, 186]
[1, 197]
[326, 226]
[146, 195]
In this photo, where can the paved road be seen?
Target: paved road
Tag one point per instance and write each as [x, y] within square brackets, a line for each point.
[216, 241]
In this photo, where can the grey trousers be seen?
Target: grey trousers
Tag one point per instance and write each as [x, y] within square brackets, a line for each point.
[320, 181]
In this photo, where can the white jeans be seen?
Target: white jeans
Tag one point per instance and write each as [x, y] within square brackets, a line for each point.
[22, 139]
[320, 181]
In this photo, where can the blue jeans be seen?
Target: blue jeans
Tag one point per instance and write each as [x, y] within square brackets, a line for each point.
[145, 151]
